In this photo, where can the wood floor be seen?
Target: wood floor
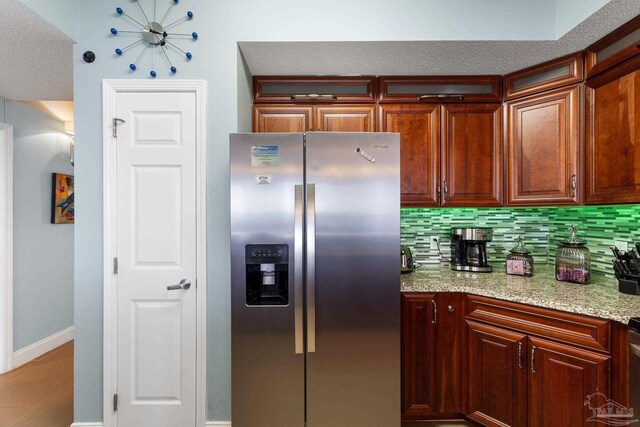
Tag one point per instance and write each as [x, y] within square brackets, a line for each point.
[39, 393]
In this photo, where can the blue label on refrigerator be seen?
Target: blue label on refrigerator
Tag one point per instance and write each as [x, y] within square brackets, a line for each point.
[264, 155]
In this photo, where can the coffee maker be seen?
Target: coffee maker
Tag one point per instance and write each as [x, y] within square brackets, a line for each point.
[469, 249]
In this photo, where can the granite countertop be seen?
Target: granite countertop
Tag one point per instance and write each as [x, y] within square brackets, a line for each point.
[599, 298]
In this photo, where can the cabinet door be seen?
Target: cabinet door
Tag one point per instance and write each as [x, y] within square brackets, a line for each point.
[613, 135]
[566, 384]
[418, 356]
[449, 347]
[543, 140]
[282, 118]
[419, 129]
[496, 376]
[472, 155]
[342, 118]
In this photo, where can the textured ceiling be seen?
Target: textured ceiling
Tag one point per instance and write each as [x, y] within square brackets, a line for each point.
[35, 56]
[429, 57]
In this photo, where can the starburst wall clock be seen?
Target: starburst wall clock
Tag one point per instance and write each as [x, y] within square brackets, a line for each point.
[155, 35]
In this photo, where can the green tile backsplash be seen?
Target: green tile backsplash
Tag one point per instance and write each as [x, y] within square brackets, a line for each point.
[542, 229]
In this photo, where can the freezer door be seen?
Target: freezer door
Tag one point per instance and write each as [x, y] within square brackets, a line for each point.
[266, 232]
[353, 283]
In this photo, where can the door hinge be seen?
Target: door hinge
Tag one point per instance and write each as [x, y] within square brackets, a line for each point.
[115, 265]
[115, 402]
[115, 126]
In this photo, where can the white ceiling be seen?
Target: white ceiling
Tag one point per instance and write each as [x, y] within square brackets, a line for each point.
[429, 57]
[35, 56]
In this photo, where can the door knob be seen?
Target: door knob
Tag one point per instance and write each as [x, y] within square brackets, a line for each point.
[183, 285]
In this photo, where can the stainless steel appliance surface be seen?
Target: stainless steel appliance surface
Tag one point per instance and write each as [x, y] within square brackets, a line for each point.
[406, 260]
[315, 289]
[469, 249]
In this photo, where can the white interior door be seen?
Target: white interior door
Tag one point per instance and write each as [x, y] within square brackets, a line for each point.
[156, 249]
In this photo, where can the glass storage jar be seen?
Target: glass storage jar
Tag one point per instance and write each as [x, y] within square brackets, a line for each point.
[573, 259]
[519, 260]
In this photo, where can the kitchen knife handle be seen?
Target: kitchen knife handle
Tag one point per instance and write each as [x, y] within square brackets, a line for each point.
[297, 270]
[574, 185]
[311, 268]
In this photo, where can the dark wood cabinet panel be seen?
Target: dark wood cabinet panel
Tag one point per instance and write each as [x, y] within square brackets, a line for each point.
[613, 131]
[546, 76]
[561, 380]
[419, 128]
[440, 89]
[308, 89]
[471, 155]
[418, 356]
[342, 118]
[496, 376]
[543, 142]
[449, 352]
[282, 118]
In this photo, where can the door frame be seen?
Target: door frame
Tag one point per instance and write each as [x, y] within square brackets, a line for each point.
[6, 248]
[110, 89]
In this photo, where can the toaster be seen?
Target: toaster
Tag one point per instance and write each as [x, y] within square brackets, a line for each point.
[406, 260]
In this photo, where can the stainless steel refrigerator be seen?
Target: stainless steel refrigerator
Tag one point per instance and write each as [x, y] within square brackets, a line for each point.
[315, 279]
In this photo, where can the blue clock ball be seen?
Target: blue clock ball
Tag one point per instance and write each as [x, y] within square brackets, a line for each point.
[189, 14]
[132, 66]
[114, 31]
[119, 10]
[176, 1]
[153, 74]
[119, 51]
[194, 35]
[174, 70]
[189, 55]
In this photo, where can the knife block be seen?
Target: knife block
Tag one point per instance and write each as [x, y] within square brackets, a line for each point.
[631, 287]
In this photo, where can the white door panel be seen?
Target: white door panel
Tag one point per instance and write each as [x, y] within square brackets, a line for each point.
[156, 248]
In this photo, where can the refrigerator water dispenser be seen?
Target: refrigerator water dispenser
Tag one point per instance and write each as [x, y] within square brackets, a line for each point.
[267, 270]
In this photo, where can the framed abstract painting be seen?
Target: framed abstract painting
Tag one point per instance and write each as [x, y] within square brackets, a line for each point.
[62, 206]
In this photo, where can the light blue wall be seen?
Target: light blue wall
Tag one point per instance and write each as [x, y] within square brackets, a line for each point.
[221, 25]
[570, 13]
[43, 252]
[61, 13]
[3, 118]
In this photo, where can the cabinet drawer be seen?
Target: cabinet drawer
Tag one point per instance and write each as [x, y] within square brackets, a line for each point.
[567, 328]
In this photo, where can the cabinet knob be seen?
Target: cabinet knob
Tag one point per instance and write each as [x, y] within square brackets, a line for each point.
[450, 308]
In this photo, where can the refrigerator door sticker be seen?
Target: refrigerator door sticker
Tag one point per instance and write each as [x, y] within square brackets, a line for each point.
[263, 179]
[264, 155]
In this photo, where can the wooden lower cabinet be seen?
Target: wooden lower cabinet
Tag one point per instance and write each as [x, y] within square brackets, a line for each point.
[561, 379]
[506, 364]
[431, 355]
[496, 376]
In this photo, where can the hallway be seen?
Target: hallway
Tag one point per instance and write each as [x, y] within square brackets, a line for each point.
[39, 393]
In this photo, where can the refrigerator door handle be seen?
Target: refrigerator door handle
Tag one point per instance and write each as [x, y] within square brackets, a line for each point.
[297, 268]
[311, 268]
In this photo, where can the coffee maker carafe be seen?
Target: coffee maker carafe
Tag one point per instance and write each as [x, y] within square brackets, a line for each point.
[469, 249]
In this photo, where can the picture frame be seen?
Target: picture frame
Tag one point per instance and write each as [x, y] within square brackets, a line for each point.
[62, 199]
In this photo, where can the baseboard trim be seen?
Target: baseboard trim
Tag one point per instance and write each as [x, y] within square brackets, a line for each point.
[218, 423]
[96, 424]
[41, 347]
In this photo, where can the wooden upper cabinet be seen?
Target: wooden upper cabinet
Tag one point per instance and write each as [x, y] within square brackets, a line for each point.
[546, 76]
[440, 89]
[419, 128]
[613, 139]
[561, 380]
[496, 369]
[282, 118]
[343, 118]
[613, 49]
[471, 155]
[543, 148]
[334, 89]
